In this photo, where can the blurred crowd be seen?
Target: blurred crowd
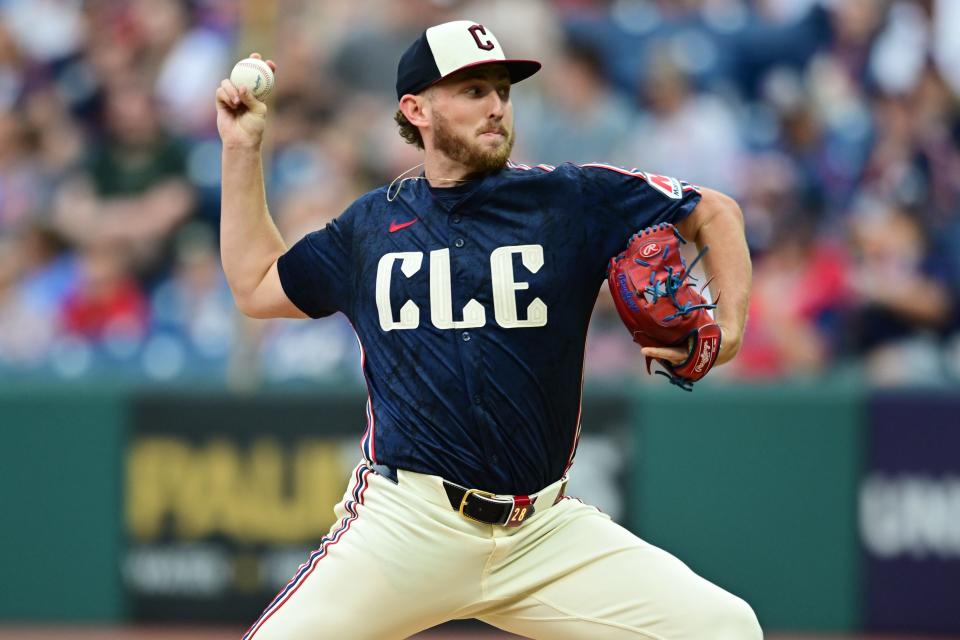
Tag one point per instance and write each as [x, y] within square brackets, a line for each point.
[835, 124]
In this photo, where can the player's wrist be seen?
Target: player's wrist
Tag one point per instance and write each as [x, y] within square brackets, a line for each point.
[252, 147]
[730, 343]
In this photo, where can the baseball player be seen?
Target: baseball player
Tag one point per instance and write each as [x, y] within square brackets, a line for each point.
[470, 285]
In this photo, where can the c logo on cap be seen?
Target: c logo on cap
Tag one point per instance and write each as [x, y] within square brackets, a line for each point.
[478, 28]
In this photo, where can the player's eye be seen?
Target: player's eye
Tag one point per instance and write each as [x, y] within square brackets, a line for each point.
[504, 92]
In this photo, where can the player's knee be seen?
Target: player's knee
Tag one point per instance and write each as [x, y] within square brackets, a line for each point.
[735, 620]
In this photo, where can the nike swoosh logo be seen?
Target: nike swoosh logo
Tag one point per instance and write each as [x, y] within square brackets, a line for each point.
[403, 225]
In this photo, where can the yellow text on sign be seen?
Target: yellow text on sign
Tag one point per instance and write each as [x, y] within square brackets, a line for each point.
[260, 492]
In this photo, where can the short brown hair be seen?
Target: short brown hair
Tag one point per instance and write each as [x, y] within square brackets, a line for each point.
[407, 131]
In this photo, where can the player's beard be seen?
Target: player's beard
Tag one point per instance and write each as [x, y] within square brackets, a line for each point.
[468, 152]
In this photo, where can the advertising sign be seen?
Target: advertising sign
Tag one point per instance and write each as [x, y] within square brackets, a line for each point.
[910, 514]
[225, 496]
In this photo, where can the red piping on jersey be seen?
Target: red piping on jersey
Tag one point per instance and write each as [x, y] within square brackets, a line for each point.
[576, 435]
[684, 186]
[543, 167]
[599, 165]
[368, 435]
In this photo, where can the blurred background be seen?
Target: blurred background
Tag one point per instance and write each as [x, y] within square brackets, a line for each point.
[165, 461]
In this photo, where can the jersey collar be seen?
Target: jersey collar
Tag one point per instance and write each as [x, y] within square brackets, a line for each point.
[421, 191]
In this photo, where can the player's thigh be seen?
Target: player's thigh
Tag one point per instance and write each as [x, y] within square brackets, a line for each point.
[366, 580]
[596, 580]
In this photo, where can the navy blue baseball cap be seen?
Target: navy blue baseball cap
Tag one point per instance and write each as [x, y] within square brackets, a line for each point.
[449, 47]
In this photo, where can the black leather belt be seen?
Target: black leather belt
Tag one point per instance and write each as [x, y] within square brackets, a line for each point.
[486, 508]
[482, 506]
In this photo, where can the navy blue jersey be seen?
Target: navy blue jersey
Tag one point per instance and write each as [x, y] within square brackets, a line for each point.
[471, 307]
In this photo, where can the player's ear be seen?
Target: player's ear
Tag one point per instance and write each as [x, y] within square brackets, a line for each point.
[416, 109]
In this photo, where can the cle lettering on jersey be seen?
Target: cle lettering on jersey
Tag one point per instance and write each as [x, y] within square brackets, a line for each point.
[474, 315]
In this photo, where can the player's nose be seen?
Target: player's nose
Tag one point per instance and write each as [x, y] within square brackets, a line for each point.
[497, 105]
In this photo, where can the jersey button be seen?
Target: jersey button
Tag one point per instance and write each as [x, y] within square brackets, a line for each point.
[466, 336]
[458, 243]
[455, 219]
[476, 399]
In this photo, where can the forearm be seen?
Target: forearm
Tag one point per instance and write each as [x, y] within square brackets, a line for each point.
[249, 240]
[718, 223]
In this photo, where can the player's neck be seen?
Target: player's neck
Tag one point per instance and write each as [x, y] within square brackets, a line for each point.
[442, 172]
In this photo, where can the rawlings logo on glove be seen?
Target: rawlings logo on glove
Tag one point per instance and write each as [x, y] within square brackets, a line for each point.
[650, 283]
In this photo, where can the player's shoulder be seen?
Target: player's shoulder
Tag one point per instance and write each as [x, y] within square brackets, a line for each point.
[373, 198]
[544, 176]
[371, 201]
[518, 171]
[571, 170]
[568, 167]
[605, 171]
[594, 176]
[605, 174]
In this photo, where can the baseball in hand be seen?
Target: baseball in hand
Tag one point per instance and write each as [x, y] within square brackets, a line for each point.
[254, 74]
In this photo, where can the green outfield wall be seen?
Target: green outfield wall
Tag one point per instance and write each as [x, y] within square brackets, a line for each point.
[755, 488]
[60, 491]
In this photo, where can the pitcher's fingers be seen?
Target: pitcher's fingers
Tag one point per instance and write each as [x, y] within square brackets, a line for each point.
[251, 102]
[224, 100]
[670, 354]
[270, 63]
[233, 95]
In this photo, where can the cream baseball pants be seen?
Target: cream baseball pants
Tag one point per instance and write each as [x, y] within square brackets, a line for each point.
[400, 560]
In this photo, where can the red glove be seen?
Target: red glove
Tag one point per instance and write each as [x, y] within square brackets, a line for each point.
[661, 308]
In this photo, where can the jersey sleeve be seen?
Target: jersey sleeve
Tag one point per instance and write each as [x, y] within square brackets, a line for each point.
[317, 271]
[630, 200]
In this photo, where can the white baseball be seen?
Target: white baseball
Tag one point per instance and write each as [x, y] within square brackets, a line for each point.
[254, 74]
